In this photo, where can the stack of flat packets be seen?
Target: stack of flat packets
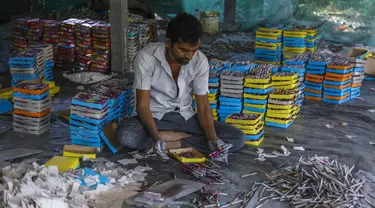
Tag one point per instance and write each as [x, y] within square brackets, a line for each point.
[250, 124]
[257, 85]
[315, 71]
[32, 108]
[24, 65]
[282, 109]
[213, 95]
[88, 116]
[231, 92]
[337, 82]
[47, 65]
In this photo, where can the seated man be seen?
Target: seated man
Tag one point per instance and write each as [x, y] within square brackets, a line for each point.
[165, 76]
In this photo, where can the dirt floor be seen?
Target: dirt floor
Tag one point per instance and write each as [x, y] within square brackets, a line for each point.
[308, 131]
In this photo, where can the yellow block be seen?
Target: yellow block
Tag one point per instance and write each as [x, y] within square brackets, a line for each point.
[278, 31]
[243, 122]
[248, 127]
[252, 132]
[257, 81]
[258, 86]
[286, 87]
[285, 78]
[278, 120]
[284, 107]
[54, 90]
[255, 143]
[78, 151]
[257, 97]
[255, 105]
[288, 82]
[63, 163]
[283, 111]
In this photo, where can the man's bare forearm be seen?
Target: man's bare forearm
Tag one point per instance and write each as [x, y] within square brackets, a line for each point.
[206, 121]
[145, 116]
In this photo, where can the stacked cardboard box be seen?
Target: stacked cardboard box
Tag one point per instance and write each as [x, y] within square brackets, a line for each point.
[231, 92]
[294, 43]
[257, 86]
[250, 124]
[32, 108]
[282, 109]
[88, 116]
[337, 82]
[315, 71]
[24, 65]
[101, 54]
[268, 46]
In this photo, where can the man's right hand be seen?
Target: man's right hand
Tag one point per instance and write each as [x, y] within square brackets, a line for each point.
[160, 149]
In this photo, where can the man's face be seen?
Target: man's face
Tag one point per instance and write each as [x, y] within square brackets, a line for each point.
[181, 52]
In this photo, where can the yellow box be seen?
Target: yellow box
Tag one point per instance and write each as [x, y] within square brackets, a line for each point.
[257, 81]
[278, 120]
[244, 122]
[174, 153]
[252, 112]
[248, 127]
[267, 37]
[6, 93]
[257, 97]
[54, 90]
[284, 78]
[255, 105]
[211, 99]
[283, 111]
[63, 163]
[278, 31]
[289, 82]
[252, 132]
[216, 118]
[286, 87]
[78, 151]
[293, 49]
[266, 44]
[255, 143]
[267, 34]
[258, 86]
[284, 107]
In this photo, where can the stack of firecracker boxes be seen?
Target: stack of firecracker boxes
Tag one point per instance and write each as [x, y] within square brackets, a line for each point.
[32, 108]
[213, 96]
[315, 71]
[297, 64]
[311, 37]
[282, 109]
[268, 46]
[294, 43]
[25, 65]
[231, 91]
[337, 82]
[91, 111]
[358, 74]
[47, 64]
[250, 124]
[257, 86]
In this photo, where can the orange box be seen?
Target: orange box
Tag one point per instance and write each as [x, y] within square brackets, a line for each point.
[314, 76]
[337, 79]
[337, 87]
[32, 114]
[357, 85]
[313, 91]
[339, 75]
[314, 80]
[338, 67]
[313, 98]
[337, 98]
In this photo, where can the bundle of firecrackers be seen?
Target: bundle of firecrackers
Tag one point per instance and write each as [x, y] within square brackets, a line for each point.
[46, 64]
[315, 71]
[88, 116]
[20, 31]
[337, 82]
[101, 54]
[26, 65]
[282, 108]
[257, 86]
[294, 43]
[32, 108]
[311, 37]
[250, 124]
[147, 31]
[268, 46]
[298, 64]
[231, 92]
[203, 173]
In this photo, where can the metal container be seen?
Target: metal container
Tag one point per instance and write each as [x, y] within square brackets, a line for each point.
[210, 22]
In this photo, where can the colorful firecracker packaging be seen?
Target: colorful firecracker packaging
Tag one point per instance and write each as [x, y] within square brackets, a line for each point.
[231, 91]
[294, 43]
[311, 37]
[51, 35]
[315, 71]
[257, 86]
[298, 65]
[83, 45]
[133, 45]
[32, 108]
[337, 82]
[282, 108]
[268, 46]
[101, 52]
[66, 46]
[47, 65]
[20, 31]
[358, 74]
[88, 116]
[25, 65]
[35, 32]
[250, 124]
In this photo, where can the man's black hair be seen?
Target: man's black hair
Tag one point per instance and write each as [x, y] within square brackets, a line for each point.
[184, 28]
